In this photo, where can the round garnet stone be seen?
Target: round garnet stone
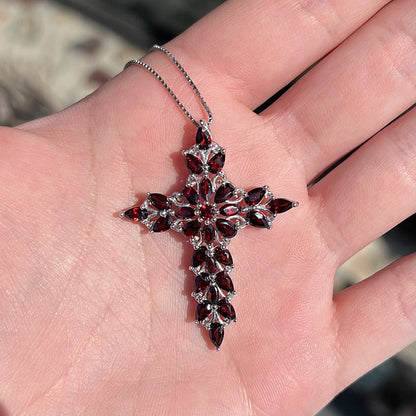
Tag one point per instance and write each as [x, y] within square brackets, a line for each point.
[216, 334]
[206, 212]
[159, 201]
[279, 205]
[216, 163]
[255, 196]
[136, 214]
[193, 163]
[191, 228]
[162, 224]
[202, 139]
[257, 219]
[224, 192]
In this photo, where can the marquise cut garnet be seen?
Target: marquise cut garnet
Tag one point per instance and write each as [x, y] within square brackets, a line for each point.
[136, 214]
[226, 228]
[162, 224]
[205, 189]
[193, 163]
[212, 294]
[208, 233]
[279, 205]
[216, 334]
[202, 139]
[257, 219]
[223, 256]
[191, 195]
[255, 196]
[185, 212]
[209, 211]
[210, 265]
[216, 163]
[224, 192]
[159, 201]
[229, 210]
[191, 228]
[199, 256]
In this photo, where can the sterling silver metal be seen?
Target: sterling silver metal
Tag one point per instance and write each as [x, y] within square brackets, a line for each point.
[208, 228]
[204, 124]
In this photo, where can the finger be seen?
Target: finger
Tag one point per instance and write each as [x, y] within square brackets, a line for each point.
[370, 192]
[254, 48]
[359, 88]
[375, 319]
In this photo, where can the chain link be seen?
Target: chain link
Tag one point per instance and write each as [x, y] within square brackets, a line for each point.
[169, 90]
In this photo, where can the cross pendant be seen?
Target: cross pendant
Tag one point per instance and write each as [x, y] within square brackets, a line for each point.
[209, 211]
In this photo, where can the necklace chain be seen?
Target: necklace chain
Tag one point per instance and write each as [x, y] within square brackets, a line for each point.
[204, 124]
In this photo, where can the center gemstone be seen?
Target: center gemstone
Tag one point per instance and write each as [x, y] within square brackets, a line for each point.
[206, 212]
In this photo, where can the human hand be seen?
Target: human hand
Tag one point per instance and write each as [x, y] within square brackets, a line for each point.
[96, 314]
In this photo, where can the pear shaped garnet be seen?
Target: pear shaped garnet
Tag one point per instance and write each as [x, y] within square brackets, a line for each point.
[255, 196]
[199, 256]
[191, 195]
[202, 139]
[216, 163]
[162, 224]
[193, 163]
[224, 192]
[203, 311]
[226, 309]
[159, 201]
[209, 211]
[216, 334]
[201, 283]
[224, 282]
[257, 219]
[279, 205]
[191, 228]
[223, 256]
[135, 214]
[226, 228]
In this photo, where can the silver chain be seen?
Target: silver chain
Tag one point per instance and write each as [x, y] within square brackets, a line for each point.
[169, 90]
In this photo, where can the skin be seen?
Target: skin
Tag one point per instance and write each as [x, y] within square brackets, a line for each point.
[96, 314]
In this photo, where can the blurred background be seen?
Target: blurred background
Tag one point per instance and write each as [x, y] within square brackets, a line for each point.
[53, 53]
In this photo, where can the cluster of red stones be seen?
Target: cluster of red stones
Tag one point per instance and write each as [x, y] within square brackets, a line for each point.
[209, 212]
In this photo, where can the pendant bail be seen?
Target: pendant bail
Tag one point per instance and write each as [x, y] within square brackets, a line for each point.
[205, 127]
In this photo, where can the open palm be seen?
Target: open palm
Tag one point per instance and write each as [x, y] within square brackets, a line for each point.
[96, 314]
